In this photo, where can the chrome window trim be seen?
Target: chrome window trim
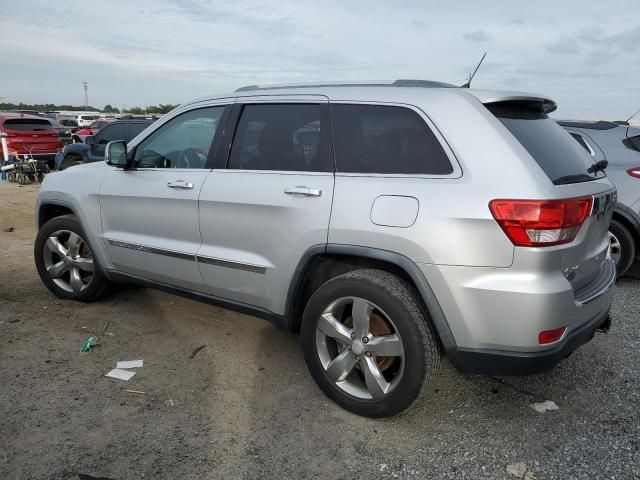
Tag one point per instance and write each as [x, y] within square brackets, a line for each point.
[247, 267]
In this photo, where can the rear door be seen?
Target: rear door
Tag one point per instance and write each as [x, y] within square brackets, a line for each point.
[149, 213]
[31, 135]
[568, 165]
[260, 214]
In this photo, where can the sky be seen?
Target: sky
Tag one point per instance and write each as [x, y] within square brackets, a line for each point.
[583, 54]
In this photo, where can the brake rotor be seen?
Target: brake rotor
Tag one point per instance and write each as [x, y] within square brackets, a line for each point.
[378, 327]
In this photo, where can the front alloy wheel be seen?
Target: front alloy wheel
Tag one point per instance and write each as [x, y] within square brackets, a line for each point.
[68, 261]
[65, 261]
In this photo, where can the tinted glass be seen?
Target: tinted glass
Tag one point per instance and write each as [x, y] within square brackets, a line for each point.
[183, 142]
[27, 125]
[386, 140]
[111, 133]
[581, 141]
[280, 137]
[134, 129]
[560, 157]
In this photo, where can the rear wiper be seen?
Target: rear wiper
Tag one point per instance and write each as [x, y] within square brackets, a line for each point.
[581, 177]
[598, 167]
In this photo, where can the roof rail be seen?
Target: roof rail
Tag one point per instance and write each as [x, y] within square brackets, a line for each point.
[392, 83]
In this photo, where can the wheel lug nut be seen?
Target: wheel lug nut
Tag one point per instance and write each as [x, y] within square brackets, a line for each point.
[365, 339]
[353, 336]
[368, 354]
[357, 358]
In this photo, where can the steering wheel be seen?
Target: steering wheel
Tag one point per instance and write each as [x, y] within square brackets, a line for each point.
[191, 157]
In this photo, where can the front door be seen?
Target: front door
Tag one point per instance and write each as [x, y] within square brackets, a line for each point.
[149, 213]
[272, 203]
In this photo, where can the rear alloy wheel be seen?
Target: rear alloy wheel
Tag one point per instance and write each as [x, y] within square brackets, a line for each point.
[367, 342]
[65, 261]
[622, 246]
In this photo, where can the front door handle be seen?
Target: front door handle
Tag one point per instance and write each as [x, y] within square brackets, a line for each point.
[181, 184]
[306, 191]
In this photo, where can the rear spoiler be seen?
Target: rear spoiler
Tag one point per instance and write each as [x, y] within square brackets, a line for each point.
[515, 99]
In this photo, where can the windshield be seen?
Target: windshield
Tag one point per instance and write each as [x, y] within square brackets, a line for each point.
[560, 157]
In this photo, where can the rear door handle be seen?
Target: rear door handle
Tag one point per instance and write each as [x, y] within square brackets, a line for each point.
[306, 191]
[181, 184]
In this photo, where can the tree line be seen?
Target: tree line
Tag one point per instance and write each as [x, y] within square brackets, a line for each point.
[50, 107]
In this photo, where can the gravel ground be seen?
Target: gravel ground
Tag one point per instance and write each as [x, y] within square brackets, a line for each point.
[245, 406]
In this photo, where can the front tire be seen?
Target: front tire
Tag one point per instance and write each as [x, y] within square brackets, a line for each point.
[65, 261]
[368, 342]
[623, 247]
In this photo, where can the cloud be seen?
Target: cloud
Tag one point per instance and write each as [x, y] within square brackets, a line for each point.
[565, 45]
[477, 36]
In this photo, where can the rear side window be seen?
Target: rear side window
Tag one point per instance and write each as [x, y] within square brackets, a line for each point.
[386, 140]
[632, 143]
[111, 133]
[27, 125]
[281, 137]
[580, 139]
[133, 130]
[562, 159]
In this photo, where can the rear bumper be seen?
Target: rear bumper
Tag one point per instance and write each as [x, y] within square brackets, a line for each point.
[500, 362]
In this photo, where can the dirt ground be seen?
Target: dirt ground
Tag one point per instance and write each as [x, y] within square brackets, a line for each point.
[245, 407]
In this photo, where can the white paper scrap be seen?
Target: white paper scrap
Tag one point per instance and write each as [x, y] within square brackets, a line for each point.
[130, 364]
[120, 374]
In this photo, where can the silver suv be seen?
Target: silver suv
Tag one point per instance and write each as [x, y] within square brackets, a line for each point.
[386, 222]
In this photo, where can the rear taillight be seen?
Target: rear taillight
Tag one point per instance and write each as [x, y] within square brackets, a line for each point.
[541, 223]
[634, 172]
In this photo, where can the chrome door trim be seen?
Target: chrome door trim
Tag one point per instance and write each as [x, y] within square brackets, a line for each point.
[147, 249]
[247, 267]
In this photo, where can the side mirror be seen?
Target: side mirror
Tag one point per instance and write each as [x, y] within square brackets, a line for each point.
[115, 154]
[90, 140]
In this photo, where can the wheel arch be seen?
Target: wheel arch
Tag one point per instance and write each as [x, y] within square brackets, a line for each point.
[321, 263]
[630, 220]
[52, 209]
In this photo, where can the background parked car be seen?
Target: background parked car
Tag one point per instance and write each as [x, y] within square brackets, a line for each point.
[69, 122]
[92, 150]
[619, 144]
[64, 132]
[30, 135]
[81, 133]
[86, 120]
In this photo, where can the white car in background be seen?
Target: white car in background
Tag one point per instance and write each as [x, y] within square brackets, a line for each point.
[86, 120]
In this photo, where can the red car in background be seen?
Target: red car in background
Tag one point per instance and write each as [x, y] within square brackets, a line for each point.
[92, 129]
[30, 135]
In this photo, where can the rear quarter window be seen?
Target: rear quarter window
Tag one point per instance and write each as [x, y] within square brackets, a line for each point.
[386, 140]
[558, 155]
[27, 125]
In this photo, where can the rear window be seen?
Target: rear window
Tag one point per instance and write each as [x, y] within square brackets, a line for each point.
[27, 125]
[560, 157]
[386, 140]
[87, 117]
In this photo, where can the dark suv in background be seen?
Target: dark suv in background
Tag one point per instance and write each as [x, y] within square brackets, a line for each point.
[618, 144]
[92, 150]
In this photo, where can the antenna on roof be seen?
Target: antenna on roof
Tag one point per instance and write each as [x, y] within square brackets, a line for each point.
[468, 84]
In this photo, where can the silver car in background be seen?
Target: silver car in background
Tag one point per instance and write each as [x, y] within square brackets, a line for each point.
[360, 215]
[619, 145]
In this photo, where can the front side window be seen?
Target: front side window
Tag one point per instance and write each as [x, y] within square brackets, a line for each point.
[281, 137]
[385, 140]
[183, 142]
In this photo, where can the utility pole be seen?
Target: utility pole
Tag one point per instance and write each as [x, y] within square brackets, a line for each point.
[86, 96]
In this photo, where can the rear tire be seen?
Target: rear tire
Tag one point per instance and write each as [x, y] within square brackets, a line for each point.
[623, 247]
[363, 376]
[65, 261]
